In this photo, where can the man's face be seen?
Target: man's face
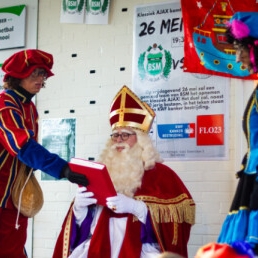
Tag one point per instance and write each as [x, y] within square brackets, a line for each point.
[123, 136]
[34, 82]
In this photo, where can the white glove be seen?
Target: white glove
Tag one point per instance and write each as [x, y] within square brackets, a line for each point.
[124, 204]
[82, 201]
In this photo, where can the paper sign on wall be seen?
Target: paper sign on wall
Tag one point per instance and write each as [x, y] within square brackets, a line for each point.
[85, 11]
[12, 27]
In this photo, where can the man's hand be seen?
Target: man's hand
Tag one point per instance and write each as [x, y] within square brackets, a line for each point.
[124, 204]
[74, 177]
[82, 200]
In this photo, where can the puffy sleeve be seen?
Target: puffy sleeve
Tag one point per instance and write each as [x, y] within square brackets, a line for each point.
[18, 134]
[13, 131]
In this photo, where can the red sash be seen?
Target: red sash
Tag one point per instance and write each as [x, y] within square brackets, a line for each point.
[100, 243]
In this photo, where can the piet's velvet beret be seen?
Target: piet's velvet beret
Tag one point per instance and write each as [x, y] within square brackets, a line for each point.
[244, 24]
[21, 64]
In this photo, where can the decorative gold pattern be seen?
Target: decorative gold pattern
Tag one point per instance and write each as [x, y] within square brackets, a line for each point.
[175, 238]
[179, 209]
[66, 235]
[175, 210]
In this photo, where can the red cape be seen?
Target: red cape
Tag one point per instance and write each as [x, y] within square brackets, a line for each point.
[171, 208]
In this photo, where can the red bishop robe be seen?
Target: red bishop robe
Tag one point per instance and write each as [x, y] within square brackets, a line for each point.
[171, 210]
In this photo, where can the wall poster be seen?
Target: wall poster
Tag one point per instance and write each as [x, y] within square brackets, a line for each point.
[58, 136]
[85, 11]
[192, 110]
[12, 26]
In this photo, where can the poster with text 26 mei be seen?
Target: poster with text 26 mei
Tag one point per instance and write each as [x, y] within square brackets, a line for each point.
[192, 110]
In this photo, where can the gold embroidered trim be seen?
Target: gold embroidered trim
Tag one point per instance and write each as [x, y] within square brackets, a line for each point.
[143, 108]
[175, 236]
[236, 211]
[66, 235]
[158, 200]
[178, 210]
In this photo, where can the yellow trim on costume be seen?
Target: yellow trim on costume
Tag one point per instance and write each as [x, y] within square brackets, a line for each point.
[175, 210]
[179, 209]
[243, 208]
[236, 211]
[26, 58]
[175, 236]
[66, 236]
[45, 56]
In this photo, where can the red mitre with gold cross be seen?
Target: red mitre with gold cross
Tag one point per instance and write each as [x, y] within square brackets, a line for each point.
[128, 110]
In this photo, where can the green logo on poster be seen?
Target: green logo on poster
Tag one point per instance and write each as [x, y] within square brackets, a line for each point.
[73, 6]
[155, 64]
[97, 6]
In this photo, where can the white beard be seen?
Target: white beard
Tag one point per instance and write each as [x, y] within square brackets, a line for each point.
[126, 168]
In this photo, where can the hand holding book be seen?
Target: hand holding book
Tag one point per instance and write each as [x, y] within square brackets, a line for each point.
[83, 199]
[73, 177]
[99, 180]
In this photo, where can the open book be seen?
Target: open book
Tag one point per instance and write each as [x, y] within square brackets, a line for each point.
[99, 180]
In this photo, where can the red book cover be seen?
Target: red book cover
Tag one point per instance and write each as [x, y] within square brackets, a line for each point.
[99, 180]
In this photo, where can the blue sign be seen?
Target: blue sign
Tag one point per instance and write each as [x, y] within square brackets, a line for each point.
[172, 131]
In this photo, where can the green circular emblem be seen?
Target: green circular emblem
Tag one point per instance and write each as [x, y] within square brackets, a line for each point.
[72, 5]
[156, 64]
[95, 5]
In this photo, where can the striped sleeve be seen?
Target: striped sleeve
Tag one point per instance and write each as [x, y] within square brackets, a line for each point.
[13, 132]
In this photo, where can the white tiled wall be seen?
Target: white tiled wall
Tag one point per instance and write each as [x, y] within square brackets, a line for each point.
[106, 49]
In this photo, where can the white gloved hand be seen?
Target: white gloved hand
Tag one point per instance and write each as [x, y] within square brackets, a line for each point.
[124, 204]
[82, 200]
